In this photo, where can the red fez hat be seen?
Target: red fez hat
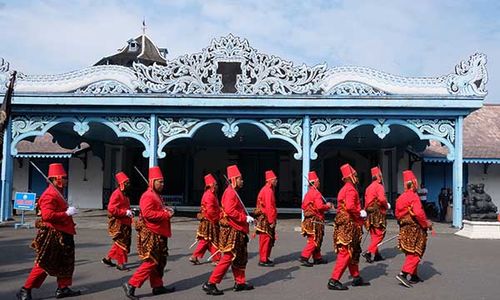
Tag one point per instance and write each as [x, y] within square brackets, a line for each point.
[347, 171]
[56, 170]
[233, 172]
[270, 175]
[409, 176]
[376, 171]
[155, 173]
[313, 176]
[209, 180]
[121, 178]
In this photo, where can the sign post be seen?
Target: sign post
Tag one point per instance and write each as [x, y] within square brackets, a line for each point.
[24, 201]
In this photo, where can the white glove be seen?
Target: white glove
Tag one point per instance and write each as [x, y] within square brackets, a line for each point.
[250, 220]
[71, 211]
[388, 205]
[362, 213]
[129, 213]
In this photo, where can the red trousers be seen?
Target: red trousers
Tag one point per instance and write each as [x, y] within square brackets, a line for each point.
[117, 254]
[311, 249]
[38, 275]
[411, 263]
[203, 246]
[376, 236]
[222, 267]
[264, 247]
[344, 261]
[146, 270]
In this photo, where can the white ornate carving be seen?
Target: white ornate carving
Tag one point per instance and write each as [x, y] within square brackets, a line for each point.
[436, 127]
[4, 75]
[105, 87]
[168, 127]
[325, 127]
[135, 125]
[230, 128]
[24, 124]
[354, 89]
[470, 77]
[292, 128]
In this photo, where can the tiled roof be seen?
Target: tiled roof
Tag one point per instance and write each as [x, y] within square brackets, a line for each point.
[481, 135]
[44, 145]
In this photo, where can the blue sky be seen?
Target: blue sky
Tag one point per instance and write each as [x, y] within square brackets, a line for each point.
[410, 38]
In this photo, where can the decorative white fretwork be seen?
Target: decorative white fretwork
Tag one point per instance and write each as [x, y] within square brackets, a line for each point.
[105, 87]
[470, 77]
[132, 127]
[440, 128]
[354, 89]
[325, 127]
[289, 130]
[4, 75]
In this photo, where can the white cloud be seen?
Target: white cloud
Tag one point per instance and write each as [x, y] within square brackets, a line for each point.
[414, 38]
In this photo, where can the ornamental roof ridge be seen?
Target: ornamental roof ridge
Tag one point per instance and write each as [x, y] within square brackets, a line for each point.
[252, 73]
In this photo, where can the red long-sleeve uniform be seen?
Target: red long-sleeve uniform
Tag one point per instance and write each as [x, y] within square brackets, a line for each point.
[376, 192]
[313, 199]
[118, 206]
[234, 210]
[153, 212]
[409, 201]
[210, 206]
[268, 203]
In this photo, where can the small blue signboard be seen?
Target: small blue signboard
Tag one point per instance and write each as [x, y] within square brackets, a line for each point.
[24, 201]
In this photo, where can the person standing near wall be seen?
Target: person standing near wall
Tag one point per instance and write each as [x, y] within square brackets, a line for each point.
[54, 243]
[119, 223]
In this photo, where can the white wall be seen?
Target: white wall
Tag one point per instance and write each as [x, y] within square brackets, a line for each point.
[85, 194]
[491, 180]
[21, 176]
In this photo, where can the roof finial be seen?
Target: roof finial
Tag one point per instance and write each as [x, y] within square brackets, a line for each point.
[144, 25]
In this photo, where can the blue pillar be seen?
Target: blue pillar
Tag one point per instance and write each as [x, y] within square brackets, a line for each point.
[306, 153]
[7, 175]
[153, 142]
[458, 173]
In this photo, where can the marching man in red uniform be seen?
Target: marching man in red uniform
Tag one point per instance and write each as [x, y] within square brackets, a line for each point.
[376, 207]
[348, 231]
[233, 237]
[314, 209]
[153, 231]
[119, 223]
[54, 244]
[413, 226]
[208, 230]
[265, 224]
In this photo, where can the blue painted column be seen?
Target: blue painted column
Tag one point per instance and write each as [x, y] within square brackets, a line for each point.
[306, 153]
[153, 142]
[458, 173]
[7, 175]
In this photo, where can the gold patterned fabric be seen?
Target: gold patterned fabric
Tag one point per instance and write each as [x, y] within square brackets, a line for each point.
[313, 225]
[151, 246]
[120, 233]
[412, 237]
[375, 217]
[234, 241]
[55, 250]
[262, 226]
[208, 231]
[347, 233]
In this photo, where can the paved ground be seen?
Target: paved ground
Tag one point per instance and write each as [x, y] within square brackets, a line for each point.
[453, 267]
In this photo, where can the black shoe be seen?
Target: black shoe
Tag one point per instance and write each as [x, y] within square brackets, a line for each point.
[163, 290]
[129, 291]
[66, 292]
[194, 260]
[378, 257]
[368, 257]
[211, 289]
[108, 262]
[401, 277]
[358, 281]
[24, 294]
[320, 261]
[242, 287]
[336, 285]
[266, 264]
[415, 279]
[305, 262]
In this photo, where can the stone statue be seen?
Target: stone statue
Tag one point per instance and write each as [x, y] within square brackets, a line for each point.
[479, 204]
